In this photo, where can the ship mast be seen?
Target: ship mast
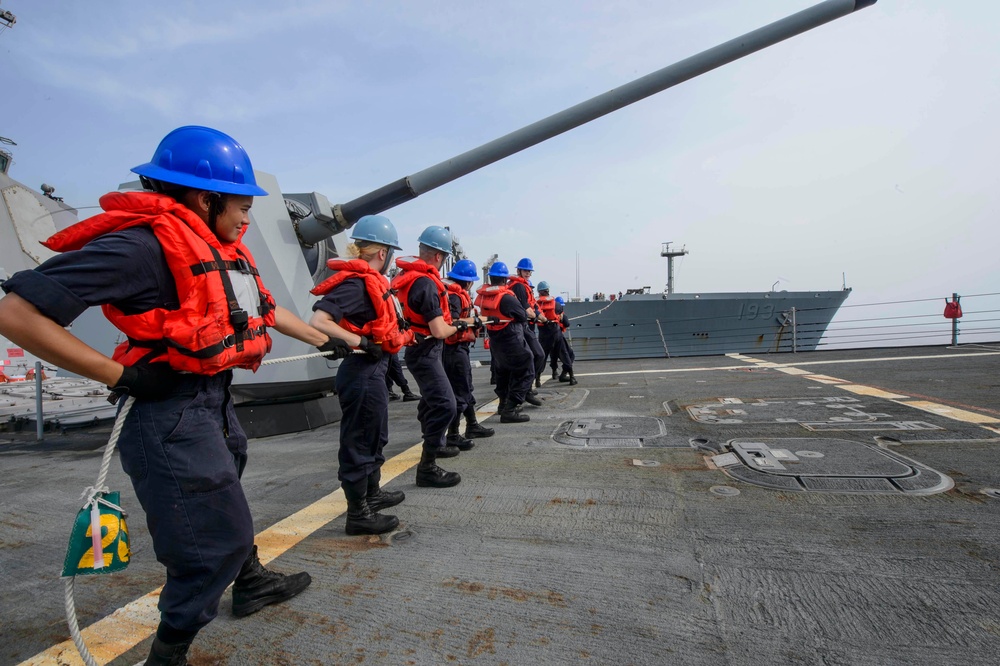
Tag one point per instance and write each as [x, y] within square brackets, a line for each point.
[665, 251]
[7, 20]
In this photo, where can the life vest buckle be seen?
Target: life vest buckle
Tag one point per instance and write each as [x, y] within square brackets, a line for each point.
[239, 319]
[244, 266]
[229, 341]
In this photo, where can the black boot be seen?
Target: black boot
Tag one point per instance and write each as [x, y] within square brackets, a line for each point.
[393, 396]
[378, 498]
[408, 395]
[511, 413]
[166, 654]
[564, 377]
[538, 380]
[532, 399]
[555, 374]
[455, 439]
[572, 379]
[447, 451]
[360, 517]
[256, 587]
[472, 428]
[429, 475]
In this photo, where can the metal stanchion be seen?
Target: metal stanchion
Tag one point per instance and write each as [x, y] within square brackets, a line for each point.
[39, 416]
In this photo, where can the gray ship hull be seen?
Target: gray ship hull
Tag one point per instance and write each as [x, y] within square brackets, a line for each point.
[690, 324]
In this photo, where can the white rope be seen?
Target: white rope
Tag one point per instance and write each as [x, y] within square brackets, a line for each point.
[303, 357]
[594, 312]
[90, 497]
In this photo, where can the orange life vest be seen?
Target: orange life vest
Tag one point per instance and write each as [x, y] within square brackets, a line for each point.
[209, 332]
[511, 281]
[414, 268]
[488, 300]
[469, 334]
[547, 305]
[384, 330]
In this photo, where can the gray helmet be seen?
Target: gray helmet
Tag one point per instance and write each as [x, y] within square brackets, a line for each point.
[376, 229]
[438, 238]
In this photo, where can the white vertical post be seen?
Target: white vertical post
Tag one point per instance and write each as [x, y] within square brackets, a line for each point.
[795, 341]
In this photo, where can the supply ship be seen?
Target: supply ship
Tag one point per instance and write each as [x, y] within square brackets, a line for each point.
[641, 324]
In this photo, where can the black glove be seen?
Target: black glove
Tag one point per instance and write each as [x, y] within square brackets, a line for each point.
[370, 348]
[461, 325]
[477, 323]
[338, 348]
[493, 320]
[155, 381]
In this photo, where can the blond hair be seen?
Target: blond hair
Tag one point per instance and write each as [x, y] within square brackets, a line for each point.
[365, 250]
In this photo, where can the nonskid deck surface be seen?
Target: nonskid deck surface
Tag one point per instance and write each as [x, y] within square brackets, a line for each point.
[830, 507]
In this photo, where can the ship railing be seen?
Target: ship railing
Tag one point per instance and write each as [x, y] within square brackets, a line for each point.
[915, 322]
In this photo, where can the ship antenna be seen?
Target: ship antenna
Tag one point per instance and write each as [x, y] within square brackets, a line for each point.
[665, 251]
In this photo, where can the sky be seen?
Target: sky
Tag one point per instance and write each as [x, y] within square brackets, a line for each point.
[862, 152]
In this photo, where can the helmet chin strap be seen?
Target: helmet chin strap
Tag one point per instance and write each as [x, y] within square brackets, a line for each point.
[388, 260]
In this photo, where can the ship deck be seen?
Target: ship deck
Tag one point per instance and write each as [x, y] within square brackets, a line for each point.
[834, 507]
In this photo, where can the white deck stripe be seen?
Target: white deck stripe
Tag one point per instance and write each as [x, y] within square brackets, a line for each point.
[779, 366]
[954, 413]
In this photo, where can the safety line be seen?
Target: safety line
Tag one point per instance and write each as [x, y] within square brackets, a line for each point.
[114, 635]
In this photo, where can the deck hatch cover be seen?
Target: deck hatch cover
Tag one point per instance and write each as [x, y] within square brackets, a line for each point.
[828, 465]
[614, 432]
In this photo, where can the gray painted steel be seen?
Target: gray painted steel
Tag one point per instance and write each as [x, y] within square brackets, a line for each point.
[693, 324]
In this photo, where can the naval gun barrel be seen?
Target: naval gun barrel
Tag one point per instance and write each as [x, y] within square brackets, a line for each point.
[343, 216]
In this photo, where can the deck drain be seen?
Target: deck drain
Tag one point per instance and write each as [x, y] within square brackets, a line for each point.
[809, 454]
[644, 463]
[991, 492]
[724, 491]
[400, 536]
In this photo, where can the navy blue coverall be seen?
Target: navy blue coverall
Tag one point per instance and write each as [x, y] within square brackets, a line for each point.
[457, 365]
[436, 409]
[554, 343]
[529, 331]
[394, 374]
[184, 454]
[361, 388]
[515, 371]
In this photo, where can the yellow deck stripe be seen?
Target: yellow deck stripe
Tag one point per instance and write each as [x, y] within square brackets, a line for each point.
[873, 392]
[946, 411]
[951, 412]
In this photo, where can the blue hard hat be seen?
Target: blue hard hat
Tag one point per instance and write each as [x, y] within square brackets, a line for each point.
[560, 300]
[525, 265]
[464, 270]
[499, 269]
[543, 286]
[202, 158]
[376, 229]
[438, 238]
